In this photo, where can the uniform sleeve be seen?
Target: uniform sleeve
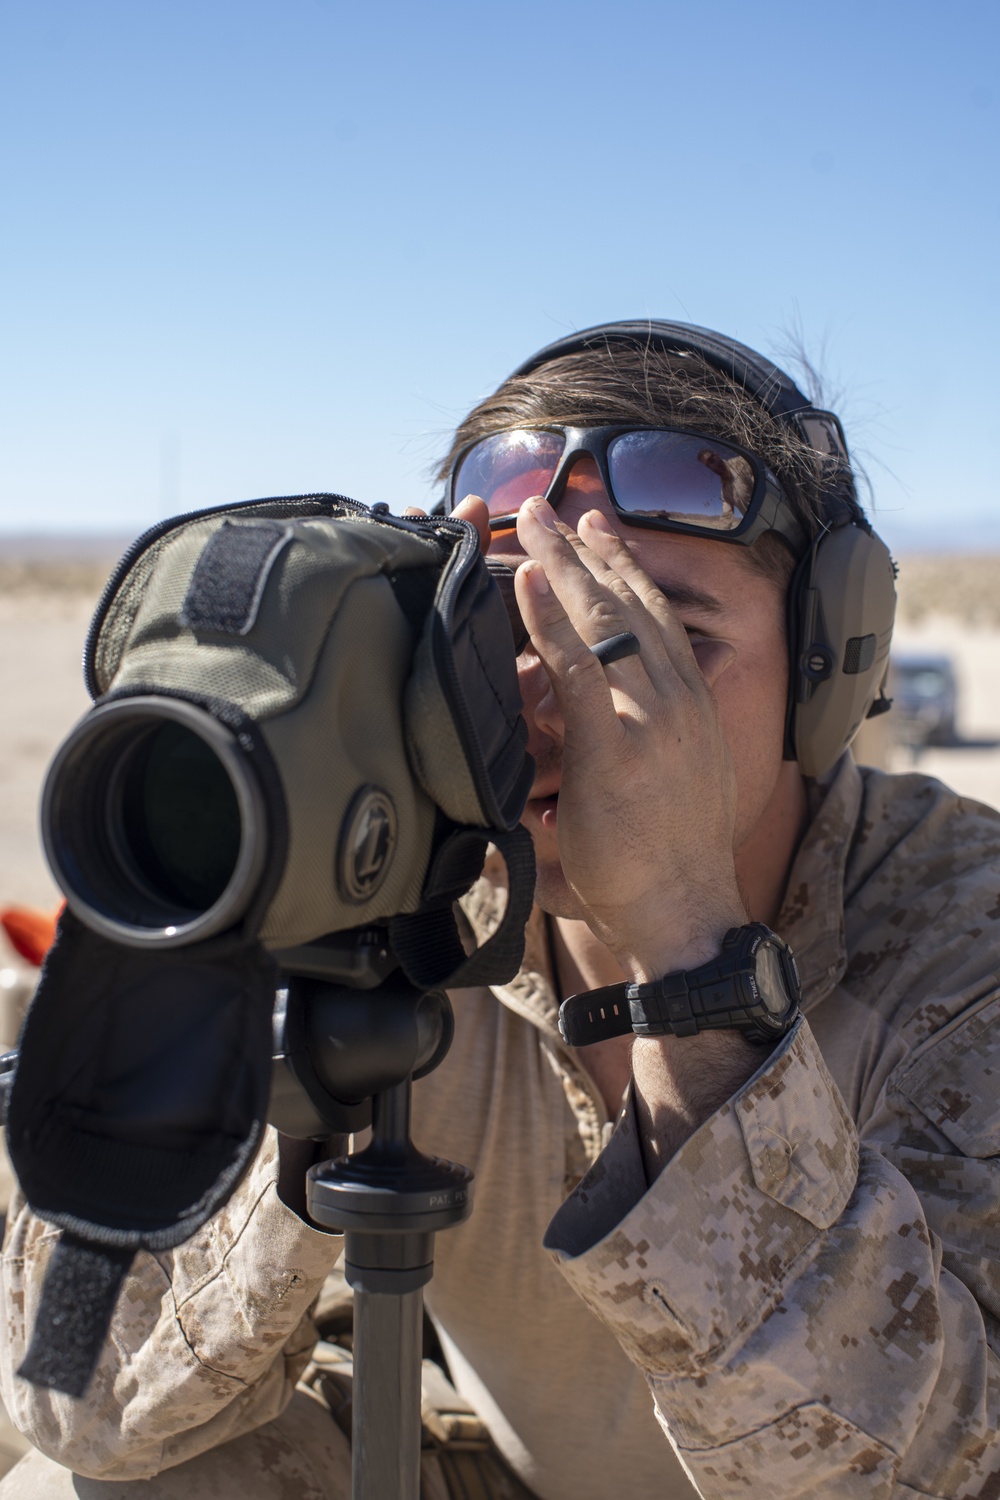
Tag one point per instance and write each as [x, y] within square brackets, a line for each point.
[815, 1314]
[206, 1343]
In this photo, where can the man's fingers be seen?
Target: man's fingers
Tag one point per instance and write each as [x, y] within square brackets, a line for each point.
[477, 511]
[604, 590]
[578, 679]
[596, 598]
[601, 539]
[605, 543]
[568, 554]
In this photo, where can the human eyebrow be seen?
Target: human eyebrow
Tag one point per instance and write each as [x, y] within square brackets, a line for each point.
[682, 596]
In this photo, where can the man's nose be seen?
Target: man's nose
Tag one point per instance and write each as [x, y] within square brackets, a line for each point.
[541, 712]
[584, 491]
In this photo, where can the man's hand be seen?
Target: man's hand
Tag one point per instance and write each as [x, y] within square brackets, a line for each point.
[647, 799]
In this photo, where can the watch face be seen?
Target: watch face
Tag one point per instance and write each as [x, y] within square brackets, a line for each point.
[771, 980]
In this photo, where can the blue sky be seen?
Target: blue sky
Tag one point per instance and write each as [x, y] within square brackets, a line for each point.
[263, 246]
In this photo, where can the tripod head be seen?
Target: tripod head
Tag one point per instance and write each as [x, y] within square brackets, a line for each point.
[348, 1024]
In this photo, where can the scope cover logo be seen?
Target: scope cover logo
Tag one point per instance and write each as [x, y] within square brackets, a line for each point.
[367, 844]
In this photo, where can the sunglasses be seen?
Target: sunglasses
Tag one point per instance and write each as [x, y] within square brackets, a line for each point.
[658, 477]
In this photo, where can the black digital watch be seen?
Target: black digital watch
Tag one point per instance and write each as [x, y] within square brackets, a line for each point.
[752, 987]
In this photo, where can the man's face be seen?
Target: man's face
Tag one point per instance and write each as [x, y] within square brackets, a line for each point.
[717, 596]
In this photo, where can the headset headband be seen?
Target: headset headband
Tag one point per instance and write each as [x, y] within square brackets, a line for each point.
[764, 381]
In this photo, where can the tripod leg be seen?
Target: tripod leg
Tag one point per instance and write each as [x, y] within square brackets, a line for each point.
[390, 1200]
[388, 1332]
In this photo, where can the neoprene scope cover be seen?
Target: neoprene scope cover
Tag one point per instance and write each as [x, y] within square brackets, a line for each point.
[347, 678]
[308, 721]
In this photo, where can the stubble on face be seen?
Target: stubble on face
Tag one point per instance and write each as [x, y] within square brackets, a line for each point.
[552, 892]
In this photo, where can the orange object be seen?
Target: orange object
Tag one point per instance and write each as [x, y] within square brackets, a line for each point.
[31, 932]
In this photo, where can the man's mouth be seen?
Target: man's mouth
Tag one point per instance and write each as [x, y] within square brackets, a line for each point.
[544, 808]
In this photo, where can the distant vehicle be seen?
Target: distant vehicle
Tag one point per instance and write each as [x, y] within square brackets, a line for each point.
[924, 691]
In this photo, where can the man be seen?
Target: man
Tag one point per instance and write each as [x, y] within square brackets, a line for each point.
[790, 1236]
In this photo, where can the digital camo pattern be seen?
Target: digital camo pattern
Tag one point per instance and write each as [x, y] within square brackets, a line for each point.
[815, 1298]
[301, 1455]
[207, 1342]
[811, 1288]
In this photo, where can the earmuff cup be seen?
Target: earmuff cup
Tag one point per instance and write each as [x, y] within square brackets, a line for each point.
[841, 607]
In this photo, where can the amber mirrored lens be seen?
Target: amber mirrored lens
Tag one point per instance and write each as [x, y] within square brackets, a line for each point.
[680, 477]
[508, 468]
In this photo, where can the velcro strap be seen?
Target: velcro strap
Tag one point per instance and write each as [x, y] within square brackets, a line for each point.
[595, 1015]
[227, 584]
[427, 943]
[78, 1297]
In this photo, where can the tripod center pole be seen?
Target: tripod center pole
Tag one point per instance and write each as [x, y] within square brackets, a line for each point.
[386, 1426]
[390, 1200]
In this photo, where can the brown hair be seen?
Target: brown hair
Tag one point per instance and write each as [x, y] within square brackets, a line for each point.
[637, 382]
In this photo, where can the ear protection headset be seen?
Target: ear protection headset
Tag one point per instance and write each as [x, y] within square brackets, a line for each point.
[842, 598]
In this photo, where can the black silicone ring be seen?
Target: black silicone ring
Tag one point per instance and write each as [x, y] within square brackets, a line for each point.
[616, 647]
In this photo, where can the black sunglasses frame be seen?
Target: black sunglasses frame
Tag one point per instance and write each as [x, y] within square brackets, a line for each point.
[768, 509]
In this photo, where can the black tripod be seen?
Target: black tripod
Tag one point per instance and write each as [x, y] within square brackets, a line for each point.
[351, 1034]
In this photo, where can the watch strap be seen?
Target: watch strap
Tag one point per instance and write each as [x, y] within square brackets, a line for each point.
[667, 1007]
[595, 1015]
[720, 995]
[685, 1004]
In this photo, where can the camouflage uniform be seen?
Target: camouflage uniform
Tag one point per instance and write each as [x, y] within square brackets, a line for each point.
[811, 1289]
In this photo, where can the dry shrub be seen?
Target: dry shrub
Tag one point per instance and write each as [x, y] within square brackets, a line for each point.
[965, 588]
[69, 577]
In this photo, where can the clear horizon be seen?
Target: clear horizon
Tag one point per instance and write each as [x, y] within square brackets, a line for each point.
[101, 543]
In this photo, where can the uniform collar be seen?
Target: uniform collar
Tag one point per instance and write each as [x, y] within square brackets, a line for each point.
[811, 918]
